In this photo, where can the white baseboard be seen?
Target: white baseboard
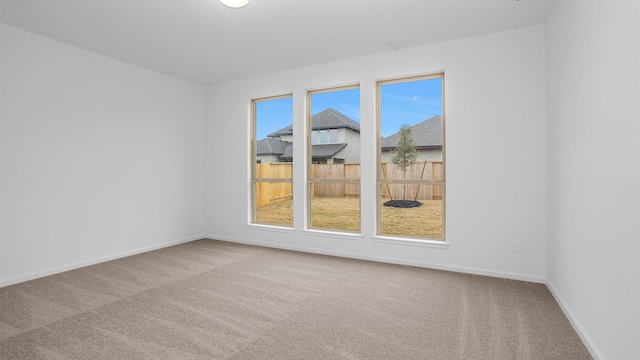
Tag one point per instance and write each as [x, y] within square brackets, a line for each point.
[390, 260]
[57, 270]
[593, 350]
[384, 259]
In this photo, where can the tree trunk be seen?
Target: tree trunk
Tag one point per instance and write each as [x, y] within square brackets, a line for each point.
[404, 186]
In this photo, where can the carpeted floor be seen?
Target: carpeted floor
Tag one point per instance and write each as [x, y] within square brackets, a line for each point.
[217, 300]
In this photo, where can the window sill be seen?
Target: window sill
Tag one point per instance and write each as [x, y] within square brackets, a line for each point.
[274, 228]
[437, 244]
[334, 235]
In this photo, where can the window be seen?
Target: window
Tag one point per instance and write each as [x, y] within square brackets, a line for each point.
[411, 177]
[272, 161]
[324, 136]
[333, 157]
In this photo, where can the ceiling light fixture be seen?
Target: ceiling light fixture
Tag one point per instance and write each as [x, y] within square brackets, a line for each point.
[235, 4]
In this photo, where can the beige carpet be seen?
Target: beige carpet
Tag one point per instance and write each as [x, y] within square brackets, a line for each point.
[217, 300]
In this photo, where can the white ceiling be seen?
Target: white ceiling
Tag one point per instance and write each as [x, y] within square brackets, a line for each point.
[205, 42]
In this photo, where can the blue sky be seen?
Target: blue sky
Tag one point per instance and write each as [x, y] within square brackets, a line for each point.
[410, 102]
[272, 115]
[345, 101]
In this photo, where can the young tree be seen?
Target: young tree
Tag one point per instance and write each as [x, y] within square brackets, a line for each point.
[405, 153]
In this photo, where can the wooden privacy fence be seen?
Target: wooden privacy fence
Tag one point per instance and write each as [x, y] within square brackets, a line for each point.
[417, 171]
[336, 171]
[267, 193]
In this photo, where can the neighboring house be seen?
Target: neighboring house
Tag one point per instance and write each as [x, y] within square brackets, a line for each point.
[427, 137]
[335, 138]
[269, 150]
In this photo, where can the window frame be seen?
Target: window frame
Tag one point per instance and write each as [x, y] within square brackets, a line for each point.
[310, 181]
[379, 177]
[254, 161]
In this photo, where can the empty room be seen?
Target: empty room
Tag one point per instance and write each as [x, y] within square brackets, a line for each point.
[320, 179]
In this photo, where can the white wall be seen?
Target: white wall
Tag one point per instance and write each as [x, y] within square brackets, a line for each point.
[98, 158]
[495, 101]
[593, 62]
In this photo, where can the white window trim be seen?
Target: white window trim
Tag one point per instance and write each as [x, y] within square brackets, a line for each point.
[309, 162]
[253, 161]
[378, 235]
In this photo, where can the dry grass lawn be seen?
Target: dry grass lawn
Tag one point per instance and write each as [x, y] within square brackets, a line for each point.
[344, 214]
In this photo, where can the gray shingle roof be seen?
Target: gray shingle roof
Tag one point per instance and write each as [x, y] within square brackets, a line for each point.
[327, 119]
[284, 131]
[426, 134]
[332, 119]
[287, 154]
[322, 151]
[270, 147]
[319, 151]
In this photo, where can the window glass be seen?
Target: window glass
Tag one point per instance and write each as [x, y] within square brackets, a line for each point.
[272, 158]
[323, 137]
[334, 167]
[333, 136]
[411, 181]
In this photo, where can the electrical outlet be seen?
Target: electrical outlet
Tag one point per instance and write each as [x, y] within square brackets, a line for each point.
[517, 246]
